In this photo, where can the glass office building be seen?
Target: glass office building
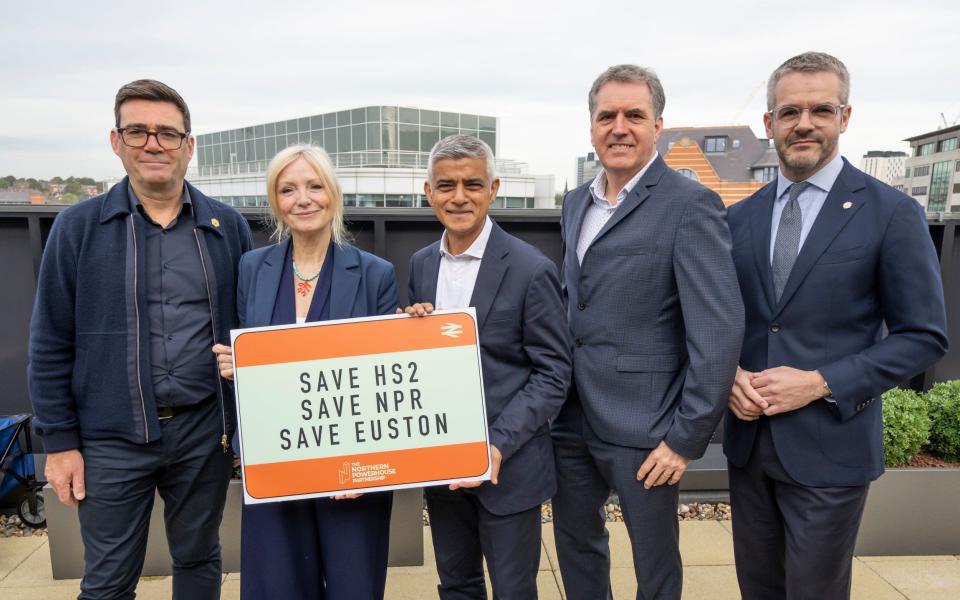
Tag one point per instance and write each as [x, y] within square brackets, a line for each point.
[380, 153]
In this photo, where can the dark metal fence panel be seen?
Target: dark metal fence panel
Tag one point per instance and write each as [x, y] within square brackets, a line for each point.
[394, 234]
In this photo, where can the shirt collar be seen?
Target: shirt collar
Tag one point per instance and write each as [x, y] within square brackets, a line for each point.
[822, 179]
[476, 249]
[135, 201]
[598, 188]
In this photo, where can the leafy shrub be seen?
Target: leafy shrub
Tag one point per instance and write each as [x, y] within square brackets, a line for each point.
[906, 425]
[944, 399]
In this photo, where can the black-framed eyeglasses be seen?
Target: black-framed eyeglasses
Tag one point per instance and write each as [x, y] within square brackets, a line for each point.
[820, 114]
[137, 137]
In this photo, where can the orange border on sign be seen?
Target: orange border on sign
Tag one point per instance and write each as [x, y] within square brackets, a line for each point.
[321, 475]
[253, 348]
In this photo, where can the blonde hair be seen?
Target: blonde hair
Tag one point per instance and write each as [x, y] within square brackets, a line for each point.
[317, 158]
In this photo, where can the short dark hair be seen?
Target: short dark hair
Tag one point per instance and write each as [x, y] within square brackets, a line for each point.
[151, 89]
[630, 74]
[810, 62]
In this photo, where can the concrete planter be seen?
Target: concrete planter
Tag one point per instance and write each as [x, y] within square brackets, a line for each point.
[66, 547]
[911, 512]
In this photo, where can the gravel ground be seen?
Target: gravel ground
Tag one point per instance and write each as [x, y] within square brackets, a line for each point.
[693, 511]
[11, 526]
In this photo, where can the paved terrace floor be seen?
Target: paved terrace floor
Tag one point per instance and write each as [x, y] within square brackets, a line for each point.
[706, 547]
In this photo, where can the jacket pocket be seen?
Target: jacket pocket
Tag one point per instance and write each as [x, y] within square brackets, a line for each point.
[840, 256]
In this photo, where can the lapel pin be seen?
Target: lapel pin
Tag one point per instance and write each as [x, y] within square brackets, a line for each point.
[216, 222]
[847, 205]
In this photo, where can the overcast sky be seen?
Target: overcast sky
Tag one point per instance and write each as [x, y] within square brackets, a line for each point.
[530, 63]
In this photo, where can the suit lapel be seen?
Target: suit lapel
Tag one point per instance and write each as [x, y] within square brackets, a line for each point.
[577, 214]
[636, 197]
[841, 204]
[760, 231]
[346, 280]
[493, 266]
[267, 284]
[429, 275]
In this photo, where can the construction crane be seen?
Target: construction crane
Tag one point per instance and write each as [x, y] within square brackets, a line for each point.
[943, 118]
[746, 103]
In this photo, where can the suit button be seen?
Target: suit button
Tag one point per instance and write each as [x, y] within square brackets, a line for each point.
[579, 343]
[581, 306]
[775, 328]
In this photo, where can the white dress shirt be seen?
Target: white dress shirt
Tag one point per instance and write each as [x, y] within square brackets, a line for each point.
[600, 210]
[811, 200]
[458, 272]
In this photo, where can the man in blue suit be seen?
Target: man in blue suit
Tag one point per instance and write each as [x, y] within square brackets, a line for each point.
[657, 320]
[525, 356]
[826, 256]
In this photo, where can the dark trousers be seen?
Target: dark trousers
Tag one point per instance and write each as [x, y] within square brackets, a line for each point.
[189, 469]
[321, 549]
[587, 469]
[791, 541]
[464, 533]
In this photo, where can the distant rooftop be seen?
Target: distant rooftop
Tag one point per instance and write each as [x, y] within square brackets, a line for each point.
[883, 153]
[935, 133]
[740, 152]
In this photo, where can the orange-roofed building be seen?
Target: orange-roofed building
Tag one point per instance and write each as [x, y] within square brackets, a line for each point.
[730, 160]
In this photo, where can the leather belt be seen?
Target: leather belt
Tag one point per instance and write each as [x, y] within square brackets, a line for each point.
[169, 412]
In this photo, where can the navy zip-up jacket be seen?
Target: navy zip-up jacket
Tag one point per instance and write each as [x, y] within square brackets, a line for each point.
[89, 370]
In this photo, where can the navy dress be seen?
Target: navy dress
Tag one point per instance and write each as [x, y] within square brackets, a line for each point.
[322, 549]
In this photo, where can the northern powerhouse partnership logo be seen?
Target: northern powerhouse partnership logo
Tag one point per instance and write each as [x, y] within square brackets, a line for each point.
[356, 472]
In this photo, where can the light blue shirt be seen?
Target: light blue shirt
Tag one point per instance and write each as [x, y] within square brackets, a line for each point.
[811, 199]
[600, 210]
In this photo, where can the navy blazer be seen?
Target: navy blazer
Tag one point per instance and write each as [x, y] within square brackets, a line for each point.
[363, 284]
[525, 357]
[868, 261]
[655, 313]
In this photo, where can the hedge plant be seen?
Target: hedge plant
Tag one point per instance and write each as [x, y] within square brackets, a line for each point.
[906, 425]
[944, 400]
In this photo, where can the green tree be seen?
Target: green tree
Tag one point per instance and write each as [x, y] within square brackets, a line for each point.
[4, 184]
[73, 188]
[33, 184]
[10, 179]
[56, 180]
[68, 198]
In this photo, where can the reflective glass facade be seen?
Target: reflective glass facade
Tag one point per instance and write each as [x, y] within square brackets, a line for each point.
[372, 136]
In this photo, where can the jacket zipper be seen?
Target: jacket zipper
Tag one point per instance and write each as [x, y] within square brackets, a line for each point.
[224, 440]
[136, 312]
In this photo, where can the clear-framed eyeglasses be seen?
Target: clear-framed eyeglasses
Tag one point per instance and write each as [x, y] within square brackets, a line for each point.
[820, 114]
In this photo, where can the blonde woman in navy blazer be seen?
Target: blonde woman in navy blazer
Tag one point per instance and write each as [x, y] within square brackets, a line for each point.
[325, 548]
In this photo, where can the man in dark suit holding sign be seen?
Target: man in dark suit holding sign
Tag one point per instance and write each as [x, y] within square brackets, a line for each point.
[525, 356]
[826, 257]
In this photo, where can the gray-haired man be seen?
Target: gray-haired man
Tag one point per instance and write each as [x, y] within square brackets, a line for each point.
[657, 320]
[525, 355]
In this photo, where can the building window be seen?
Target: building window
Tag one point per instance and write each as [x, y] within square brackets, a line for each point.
[688, 174]
[956, 188]
[958, 167]
[715, 144]
[921, 171]
[924, 149]
[736, 144]
[899, 188]
[920, 190]
[947, 145]
[765, 174]
[939, 186]
[906, 174]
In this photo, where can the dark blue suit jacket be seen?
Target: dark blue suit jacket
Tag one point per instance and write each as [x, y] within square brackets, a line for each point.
[868, 260]
[525, 356]
[655, 313]
[363, 284]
